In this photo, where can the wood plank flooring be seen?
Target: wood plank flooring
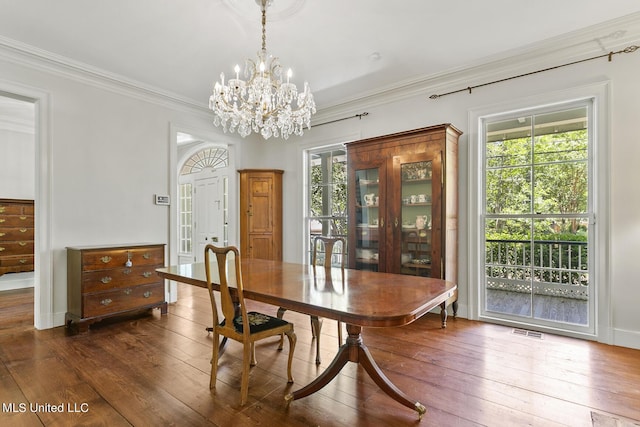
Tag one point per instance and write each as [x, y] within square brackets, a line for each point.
[153, 370]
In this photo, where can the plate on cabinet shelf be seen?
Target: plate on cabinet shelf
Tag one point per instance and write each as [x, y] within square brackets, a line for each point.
[408, 226]
[368, 181]
[422, 261]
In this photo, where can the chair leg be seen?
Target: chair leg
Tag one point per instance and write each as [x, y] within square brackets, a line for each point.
[339, 333]
[254, 361]
[279, 315]
[214, 362]
[316, 326]
[292, 346]
[244, 385]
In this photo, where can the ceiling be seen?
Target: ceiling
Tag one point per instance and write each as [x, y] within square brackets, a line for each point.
[345, 49]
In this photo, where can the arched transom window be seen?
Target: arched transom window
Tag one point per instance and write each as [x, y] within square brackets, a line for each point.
[209, 158]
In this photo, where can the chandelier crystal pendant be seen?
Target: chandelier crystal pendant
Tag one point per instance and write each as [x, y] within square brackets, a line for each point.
[263, 103]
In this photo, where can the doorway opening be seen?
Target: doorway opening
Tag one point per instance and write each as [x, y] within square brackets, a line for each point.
[17, 195]
[204, 202]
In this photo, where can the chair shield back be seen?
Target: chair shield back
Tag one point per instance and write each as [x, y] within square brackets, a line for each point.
[228, 274]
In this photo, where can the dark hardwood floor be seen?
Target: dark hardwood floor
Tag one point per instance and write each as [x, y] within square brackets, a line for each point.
[153, 370]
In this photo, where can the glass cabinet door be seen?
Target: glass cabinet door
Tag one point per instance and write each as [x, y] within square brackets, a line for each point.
[416, 194]
[368, 217]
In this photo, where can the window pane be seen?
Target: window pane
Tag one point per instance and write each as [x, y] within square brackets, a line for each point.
[509, 152]
[561, 188]
[327, 193]
[508, 190]
[185, 216]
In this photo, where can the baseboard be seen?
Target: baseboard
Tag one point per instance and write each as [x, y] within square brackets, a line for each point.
[624, 338]
[12, 281]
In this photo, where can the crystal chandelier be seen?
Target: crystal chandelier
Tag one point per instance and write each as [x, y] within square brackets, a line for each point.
[263, 103]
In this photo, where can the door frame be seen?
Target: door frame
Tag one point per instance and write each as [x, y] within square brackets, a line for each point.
[209, 139]
[599, 93]
[43, 312]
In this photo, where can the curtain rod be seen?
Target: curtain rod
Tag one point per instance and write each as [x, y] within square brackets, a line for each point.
[609, 55]
[360, 116]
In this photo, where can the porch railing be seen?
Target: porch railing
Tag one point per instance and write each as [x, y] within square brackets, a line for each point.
[544, 267]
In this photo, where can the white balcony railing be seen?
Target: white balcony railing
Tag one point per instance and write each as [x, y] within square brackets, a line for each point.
[544, 267]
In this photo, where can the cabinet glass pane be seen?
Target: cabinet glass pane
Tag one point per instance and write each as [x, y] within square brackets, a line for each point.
[367, 198]
[416, 202]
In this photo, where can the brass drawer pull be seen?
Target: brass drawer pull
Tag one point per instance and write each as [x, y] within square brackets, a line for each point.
[2, 220]
[106, 279]
[22, 243]
[106, 301]
[146, 255]
[147, 274]
[105, 259]
[2, 209]
[3, 234]
[147, 294]
[23, 261]
[2, 249]
[22, 217]
[23, 230]
[127, 291]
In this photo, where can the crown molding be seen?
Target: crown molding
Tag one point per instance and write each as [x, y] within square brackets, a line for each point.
[591, 41]
[42, 60]
[11, 124]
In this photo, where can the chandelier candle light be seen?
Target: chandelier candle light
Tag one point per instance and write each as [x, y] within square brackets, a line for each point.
[262, 103]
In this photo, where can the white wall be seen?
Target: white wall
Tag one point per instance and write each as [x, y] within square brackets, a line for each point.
[110, 152]
[419, 111]
[17, 164]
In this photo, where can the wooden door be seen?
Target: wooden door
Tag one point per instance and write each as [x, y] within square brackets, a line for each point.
[261, 214]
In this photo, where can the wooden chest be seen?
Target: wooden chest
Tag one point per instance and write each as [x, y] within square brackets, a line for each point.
[16, 235]
[111, 280]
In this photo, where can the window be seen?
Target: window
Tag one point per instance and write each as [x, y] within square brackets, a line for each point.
[210, 158]
[536, 217]
[327, 193]
[186, 217]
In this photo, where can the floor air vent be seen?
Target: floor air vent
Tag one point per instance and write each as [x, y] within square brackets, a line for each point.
[527, 333]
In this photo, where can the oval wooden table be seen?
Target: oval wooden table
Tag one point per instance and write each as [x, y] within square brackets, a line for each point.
[356, 297]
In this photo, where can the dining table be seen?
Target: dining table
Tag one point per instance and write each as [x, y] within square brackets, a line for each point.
[358, 298]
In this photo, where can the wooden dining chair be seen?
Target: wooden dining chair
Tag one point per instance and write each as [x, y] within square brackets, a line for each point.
[322, 245]
[235, 316]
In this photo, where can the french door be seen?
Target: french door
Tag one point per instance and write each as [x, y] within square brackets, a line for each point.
[538, 219]
[211, 213]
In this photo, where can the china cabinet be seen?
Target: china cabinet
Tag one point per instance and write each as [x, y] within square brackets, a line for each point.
[403, 206]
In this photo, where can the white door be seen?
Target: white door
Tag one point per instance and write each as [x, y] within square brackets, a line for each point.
[209, 219]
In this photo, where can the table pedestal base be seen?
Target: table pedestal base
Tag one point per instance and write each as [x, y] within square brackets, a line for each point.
[355, 351]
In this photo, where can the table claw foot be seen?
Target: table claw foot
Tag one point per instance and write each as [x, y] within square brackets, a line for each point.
[288, 398]
[421, 410]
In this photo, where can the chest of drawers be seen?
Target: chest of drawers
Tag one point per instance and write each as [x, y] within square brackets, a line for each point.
[106, 281]
[16, 235]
